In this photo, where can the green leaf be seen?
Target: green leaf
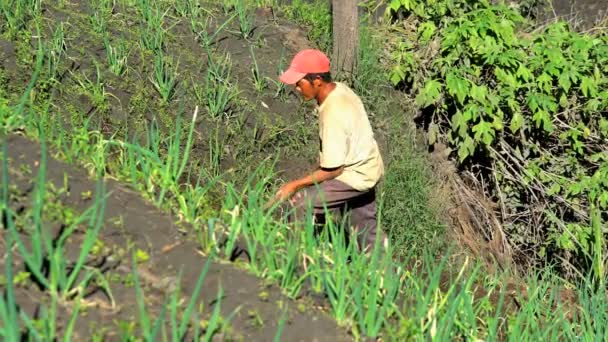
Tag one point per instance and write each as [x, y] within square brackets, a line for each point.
[564, 81]
[505, 77]
[484, 132]
[426, 31]
[457, 86]
[517, 122]
[466, 149]
[541, 117]
[604, 127]
[497, 122]
[479, 93]
[533, 100]
[547, 102]
[588, 86]
[429, 94]
[459, 124]
[395, 5]
[397, 75]
[563, 101]
[524, 73]
[554, 189]
[544, 82]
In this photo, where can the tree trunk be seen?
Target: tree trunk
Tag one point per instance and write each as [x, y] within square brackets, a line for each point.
[345, 20]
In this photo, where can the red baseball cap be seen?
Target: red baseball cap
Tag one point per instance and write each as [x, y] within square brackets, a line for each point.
[309, 61]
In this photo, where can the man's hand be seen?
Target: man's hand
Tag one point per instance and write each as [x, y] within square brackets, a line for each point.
[286, 191]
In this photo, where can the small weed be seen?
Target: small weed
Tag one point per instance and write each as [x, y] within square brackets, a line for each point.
[259, 82]
[56, 50]
[204, 37]
[263, 296]
[117, 55]
[281, 91]
[141, 256]
[94, 90]
[219, 93]
[98, 21]
[255, 318]
[165, 77]
[246, 19]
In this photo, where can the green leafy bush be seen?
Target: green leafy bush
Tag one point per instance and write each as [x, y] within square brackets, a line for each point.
[527, 112]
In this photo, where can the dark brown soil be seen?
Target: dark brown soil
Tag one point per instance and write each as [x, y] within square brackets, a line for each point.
[257, 307]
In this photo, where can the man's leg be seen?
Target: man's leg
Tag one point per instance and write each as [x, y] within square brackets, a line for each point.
[363, 219]
[336, 195]
[329, 194]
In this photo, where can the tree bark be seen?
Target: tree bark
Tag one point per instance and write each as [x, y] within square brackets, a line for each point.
[345, 20]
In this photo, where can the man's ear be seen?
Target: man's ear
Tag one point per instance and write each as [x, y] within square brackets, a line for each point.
[317, 82]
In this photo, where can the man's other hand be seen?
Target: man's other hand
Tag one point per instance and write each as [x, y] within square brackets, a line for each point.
[286, 191]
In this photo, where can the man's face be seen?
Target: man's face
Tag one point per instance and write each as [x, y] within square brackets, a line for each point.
[307, 89]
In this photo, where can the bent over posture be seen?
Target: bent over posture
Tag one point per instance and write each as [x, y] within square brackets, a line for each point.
[350, 164]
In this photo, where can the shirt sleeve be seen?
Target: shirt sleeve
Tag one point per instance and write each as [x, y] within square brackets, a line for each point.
[334, 141]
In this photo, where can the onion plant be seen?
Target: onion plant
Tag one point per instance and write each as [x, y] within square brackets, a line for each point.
[259, 82]
[153, 31]
[280, 86]
[200, 29]
[160, 173]
[98, 22]
[149, 330]
[65, 278]
[165, 77]
[117, 55]
[17, 13]
[56, 50]
[186, 8]
[246, 19]
[219, 92]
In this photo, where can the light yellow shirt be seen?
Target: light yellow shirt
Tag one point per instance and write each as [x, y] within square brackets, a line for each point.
[347, 139]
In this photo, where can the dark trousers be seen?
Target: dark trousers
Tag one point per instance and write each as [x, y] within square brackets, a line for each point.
[340, 198]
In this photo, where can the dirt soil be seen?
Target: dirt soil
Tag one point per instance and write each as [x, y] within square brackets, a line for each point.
[257, 307]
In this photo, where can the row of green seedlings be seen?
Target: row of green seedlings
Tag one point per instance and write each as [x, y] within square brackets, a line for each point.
[200, 17]
[375, 296]
[55, 50]
[17, 14]
[149, 331]
[362, 288]
[351, 281]
[261, 83]
[165, 74]
[437, 313]
[66, 282]
[116, 53]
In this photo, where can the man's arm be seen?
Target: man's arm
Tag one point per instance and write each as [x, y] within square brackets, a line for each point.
[318, 176]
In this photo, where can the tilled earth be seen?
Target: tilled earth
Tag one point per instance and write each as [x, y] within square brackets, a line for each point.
[132, 223]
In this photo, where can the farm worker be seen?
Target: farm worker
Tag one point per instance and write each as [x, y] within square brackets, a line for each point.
[350, 164]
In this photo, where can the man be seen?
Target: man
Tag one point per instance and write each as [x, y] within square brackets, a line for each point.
[350, 164]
